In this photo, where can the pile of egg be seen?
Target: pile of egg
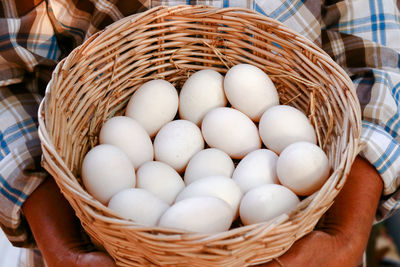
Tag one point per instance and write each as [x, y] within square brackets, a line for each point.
[215, 164]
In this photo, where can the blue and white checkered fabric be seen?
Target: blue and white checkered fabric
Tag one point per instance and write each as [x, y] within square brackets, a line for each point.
[362, 36]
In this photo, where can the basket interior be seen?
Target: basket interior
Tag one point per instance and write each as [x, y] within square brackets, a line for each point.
[113, 65]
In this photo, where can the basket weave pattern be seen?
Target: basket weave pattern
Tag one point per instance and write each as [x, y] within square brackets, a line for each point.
[96, 80]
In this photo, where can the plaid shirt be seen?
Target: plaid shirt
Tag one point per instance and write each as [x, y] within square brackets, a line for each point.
[361, 36]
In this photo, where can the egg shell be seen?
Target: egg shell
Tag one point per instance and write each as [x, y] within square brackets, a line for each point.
[177, 142]
[200, 93]
[214, 186]
[283, 125]
[266, 202]
[303, 167]
[198, 214]
[250, 90]
[154, 104]
[208, 162]
[106, 170]
[138, 205]
[160, 179]
[231, 131]
[255, 169]
[130, 136]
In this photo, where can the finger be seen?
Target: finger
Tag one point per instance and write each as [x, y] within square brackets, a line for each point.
[272, 263]
[95, 259]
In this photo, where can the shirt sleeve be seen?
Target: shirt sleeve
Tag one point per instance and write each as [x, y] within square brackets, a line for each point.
[366, 44]
[363, 37]
[34, 36]
[20, 171]
[27, 52]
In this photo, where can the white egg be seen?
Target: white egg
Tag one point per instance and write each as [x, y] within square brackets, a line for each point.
[214, 186]
[138, 205]
[177, 142]
[231, 131]
[106, 170]
[130, 136]
[257, 168]
[283, 125]
[198, 214]
[208, 162]
[202, 92]
[250, 90]
[153, 105]
[160, 179]
[266, 202]
[303, 167]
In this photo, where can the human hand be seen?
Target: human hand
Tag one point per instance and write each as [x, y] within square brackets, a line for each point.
[58, 232]
[341, 236]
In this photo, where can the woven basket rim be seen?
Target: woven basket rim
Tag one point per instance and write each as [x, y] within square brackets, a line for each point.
[74, 191]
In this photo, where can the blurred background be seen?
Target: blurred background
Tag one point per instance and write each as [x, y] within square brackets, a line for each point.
[8, 254]
[384, 243]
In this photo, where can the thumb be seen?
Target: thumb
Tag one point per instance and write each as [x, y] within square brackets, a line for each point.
[94, 259]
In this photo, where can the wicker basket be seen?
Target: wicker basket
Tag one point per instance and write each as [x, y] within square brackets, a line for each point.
[96, 80]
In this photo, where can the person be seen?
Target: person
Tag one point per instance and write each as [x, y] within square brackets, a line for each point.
[361, 36]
